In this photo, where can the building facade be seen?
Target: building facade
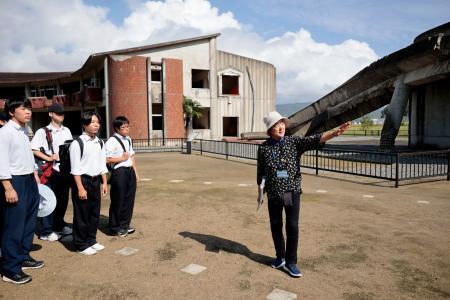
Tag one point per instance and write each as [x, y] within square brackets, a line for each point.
[148, 84]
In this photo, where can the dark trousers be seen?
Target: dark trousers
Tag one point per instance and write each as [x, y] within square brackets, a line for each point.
[86, 213]
[55, 221]
[19, 222]
[123, 192]
[289, 252]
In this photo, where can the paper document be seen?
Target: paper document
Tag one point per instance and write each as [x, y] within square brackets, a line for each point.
[261, 193]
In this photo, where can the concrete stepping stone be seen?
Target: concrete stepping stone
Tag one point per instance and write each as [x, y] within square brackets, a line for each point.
[368, 196]
[193, 269]
[278, 294]
[127, 251]
[176, 180]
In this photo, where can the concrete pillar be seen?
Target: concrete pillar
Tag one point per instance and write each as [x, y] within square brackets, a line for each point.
[27, 90]
[214, 109]
[107, 108]
[394, 114]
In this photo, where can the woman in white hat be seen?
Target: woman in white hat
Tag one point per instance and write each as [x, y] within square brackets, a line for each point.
[279, 164]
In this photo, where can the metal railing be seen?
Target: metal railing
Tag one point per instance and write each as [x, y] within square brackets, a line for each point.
[392, 166]
[371, 132]
[233, 149]
[159, 144]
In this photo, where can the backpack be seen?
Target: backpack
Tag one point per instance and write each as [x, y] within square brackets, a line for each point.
[111, 166]
[64, 154]
[46, 168]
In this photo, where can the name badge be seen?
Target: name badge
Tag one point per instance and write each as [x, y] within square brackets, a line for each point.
[282, 174]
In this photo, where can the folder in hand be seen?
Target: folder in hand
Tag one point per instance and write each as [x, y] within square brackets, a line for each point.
[261, 193]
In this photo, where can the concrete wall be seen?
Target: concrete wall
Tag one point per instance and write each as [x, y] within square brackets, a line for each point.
[128, 92]
[263, 76]
[436, 115]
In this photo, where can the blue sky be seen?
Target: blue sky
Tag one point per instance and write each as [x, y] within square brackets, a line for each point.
[315, 45]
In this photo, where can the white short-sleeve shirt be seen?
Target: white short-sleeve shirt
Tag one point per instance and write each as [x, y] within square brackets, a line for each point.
[114, 149]
[59, 136]
[93, 161]
[15, 151]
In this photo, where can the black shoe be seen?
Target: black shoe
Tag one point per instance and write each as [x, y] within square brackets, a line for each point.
[32, 264]
[131, 230]
[17, 278]
[122, 233]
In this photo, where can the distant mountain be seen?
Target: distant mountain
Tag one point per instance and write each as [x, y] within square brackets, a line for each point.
[290, 108]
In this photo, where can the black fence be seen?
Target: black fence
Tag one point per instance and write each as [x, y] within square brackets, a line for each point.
[392, 166]
[159, 145]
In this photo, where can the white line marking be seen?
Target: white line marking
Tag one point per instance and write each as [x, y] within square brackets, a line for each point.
[321, 191]
[176, 180]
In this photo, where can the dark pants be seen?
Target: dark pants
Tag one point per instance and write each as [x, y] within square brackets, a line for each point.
[55, 221]
[19, 222]
[86, 213]
[123, 192]
[276, 225]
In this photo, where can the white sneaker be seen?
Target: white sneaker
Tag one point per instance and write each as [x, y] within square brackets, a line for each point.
[52, 237]
[88, 251]
[66, 231]
[98, 247]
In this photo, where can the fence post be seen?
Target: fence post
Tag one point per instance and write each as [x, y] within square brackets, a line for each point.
[201, 147]
[448, 166]
[226, 149]
[189, 147]
[396, 169]
[317, 162]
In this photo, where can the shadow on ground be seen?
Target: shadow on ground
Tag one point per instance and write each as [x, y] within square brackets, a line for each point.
[215, 244]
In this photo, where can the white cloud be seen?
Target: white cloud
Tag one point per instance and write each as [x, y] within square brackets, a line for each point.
[46, 36]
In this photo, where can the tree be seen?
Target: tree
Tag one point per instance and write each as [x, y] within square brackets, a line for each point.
[366, 122]
[192, 109]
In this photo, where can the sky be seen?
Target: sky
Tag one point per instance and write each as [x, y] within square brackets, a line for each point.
[315, 45]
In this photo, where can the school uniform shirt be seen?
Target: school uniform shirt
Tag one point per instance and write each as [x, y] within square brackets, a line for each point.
[114, 150]
[16, 157]
[283, 155]
[59, 136]
[93, 162]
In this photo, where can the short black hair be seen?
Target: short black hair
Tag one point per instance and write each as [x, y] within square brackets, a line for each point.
[15, 102]
[86, 118]
[119, 121]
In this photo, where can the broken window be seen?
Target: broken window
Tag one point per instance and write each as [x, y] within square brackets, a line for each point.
[230, 126]
[156, 73]
[203, 121]
[200, 79]
[157, 116]
[230, 85]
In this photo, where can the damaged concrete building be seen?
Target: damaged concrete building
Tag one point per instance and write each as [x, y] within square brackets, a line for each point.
[418, 74]
[148, 83]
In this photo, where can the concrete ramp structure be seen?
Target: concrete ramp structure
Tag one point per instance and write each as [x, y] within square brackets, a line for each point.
[418, 71]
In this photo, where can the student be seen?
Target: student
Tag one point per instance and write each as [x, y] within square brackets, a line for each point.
[3, 119]
[279, 164]
[120, 154]
[52, 226]
[20, 196]
[89, 172]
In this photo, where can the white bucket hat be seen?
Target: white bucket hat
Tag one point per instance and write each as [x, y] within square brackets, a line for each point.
[272, 118]
[47, 201]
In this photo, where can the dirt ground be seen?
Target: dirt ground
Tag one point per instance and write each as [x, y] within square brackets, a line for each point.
[351, 246]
